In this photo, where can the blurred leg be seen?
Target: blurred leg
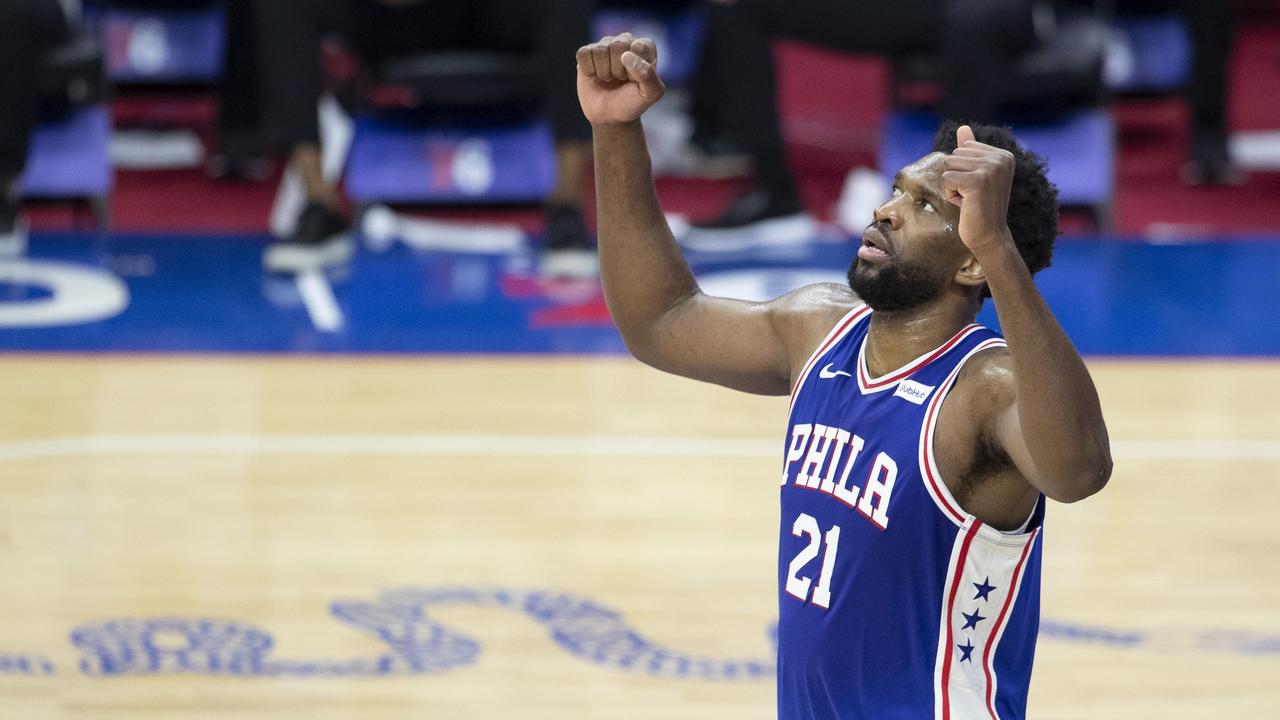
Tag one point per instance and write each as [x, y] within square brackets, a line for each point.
[740, 38]
[980, 40]
[288, 35]
[238, 116]
[1212, 26]
[552, 30]
[28, 30]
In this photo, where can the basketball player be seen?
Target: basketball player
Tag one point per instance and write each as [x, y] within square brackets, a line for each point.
[921, 446]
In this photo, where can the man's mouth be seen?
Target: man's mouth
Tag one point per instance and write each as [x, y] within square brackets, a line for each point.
[875, 246]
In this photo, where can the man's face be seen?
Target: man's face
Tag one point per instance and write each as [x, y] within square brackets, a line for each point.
[910, 254]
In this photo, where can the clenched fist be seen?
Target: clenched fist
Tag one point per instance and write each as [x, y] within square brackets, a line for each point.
[978, 178]
[618, 79]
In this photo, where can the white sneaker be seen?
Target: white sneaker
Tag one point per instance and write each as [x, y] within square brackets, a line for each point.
[322, 239]
[292, 257]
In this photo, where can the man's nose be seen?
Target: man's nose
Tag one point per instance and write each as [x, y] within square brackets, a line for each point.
[888, 212]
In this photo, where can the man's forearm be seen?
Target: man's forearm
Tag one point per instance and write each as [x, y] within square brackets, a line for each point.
[1058, 407]
[643, 272]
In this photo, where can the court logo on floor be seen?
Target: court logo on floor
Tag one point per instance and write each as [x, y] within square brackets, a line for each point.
[41, 293]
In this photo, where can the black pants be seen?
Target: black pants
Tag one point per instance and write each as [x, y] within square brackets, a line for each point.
[29, 29]
[289, 33]
[1213, 27]
[977, 38]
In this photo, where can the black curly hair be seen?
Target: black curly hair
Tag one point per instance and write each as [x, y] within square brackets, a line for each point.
[1033, 200]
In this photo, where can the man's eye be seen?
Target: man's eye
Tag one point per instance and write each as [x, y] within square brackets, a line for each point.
[928, 207]
[897, 191]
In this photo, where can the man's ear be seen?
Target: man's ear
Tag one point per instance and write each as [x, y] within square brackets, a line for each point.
[971, 273]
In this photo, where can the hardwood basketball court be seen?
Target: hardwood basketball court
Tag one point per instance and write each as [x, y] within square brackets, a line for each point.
[567, 538]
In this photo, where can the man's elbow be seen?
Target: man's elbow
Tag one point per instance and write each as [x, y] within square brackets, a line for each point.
[649, 349]
[1085, 482]
[643, 349]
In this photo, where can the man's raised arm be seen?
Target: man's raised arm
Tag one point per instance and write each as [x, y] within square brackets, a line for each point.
[653, 297]
[1052, 428]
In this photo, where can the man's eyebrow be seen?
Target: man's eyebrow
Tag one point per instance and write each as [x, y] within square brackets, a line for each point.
[928, 192]
[932, 195]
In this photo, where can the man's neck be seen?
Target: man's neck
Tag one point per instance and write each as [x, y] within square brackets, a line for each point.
[897, 338]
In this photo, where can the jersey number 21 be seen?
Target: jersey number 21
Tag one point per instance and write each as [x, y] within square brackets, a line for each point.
[797, 584]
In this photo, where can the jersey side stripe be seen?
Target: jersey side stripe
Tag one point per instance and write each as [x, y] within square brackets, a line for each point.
[958, 570]
[998, 563]
[989, 655]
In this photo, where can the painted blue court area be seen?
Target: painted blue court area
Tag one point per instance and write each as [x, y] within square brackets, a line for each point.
[81, 292]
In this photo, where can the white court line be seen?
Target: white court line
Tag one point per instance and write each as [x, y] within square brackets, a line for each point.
[318, 297]
[533, 445]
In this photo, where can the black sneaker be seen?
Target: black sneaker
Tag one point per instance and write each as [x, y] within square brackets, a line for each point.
[756, 218]
[570, 252]
[1210, 162]
[752, 207]
[322, 239]
[13, 233]
[1210, 170]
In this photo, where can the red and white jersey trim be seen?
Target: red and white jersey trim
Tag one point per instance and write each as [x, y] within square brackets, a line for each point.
[868, 384]
[989, 654]
[841, 329]
[984, 578]
[928, 463]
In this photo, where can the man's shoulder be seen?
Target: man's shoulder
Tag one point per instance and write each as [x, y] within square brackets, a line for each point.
[816, 306]
[803, 318]
[986, 383]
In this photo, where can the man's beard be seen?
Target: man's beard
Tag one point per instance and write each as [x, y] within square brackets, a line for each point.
[894, 286]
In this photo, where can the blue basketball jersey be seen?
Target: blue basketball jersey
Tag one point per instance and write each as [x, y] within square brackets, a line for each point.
[893, 601]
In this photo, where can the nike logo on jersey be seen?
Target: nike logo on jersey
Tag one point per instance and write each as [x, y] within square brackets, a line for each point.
[827, 373]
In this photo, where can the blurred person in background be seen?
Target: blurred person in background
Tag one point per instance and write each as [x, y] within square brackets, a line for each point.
[1212, 26]
[29, 29]
[240, 154]
[288, 38]
[976, 39]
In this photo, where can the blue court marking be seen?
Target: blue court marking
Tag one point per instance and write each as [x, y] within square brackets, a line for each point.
[25, 665]
[209, 294]
[418, 644]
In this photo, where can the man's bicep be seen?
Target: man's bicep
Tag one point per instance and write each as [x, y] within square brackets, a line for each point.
[1008, 431]
[727, 342]
[748, 346]
[995, 408]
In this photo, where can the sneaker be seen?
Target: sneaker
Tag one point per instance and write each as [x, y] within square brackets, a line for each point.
[1210, 162]
[752, 207]
[321, 240]
[717, 158]
[757, 218]
[1208, 170]
[570, 252]
[13, 232]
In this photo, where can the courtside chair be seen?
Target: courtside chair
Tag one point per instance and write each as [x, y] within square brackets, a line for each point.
[462, 126]
[69, 160]
[161, 42]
